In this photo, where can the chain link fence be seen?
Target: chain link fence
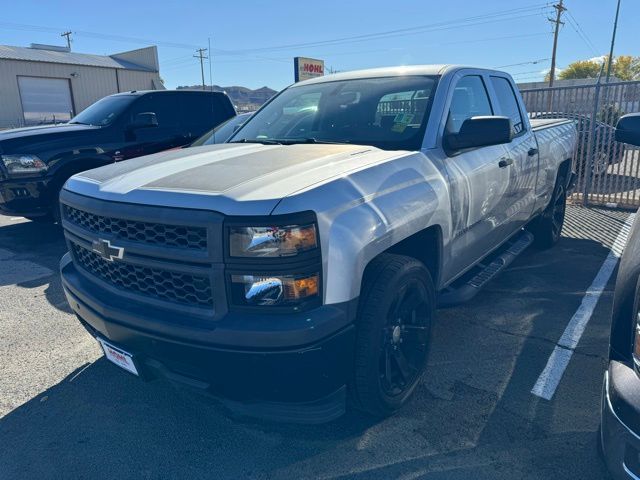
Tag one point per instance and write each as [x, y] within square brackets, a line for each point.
[608, 171]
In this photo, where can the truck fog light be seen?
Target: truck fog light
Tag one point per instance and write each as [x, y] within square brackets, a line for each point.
[276, 290]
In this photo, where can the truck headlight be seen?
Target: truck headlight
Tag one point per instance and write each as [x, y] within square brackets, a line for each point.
[272, 241]
[23, 164]
[274, 290]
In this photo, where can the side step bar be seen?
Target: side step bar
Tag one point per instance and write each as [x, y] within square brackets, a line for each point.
[466, 287]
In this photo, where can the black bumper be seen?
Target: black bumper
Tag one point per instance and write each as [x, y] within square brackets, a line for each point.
[239, 358]
[621, 421]
[30, 197]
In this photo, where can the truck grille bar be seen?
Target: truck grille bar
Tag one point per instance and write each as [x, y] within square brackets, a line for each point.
[178, 236]
[162, 284]
[164, 257]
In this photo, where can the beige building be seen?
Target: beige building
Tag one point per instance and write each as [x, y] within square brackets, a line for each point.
[47, 84]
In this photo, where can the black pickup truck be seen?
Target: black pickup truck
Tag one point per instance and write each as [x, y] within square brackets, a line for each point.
[36, 161]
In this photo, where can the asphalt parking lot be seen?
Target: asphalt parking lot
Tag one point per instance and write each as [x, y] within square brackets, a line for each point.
[65, 412]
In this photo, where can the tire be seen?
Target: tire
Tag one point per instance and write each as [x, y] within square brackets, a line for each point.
[547, 227]
[53, 216]
[397, 308]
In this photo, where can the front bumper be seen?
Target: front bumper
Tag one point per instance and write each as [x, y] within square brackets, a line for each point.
[621, 421]
[27, 196]
[291, 367]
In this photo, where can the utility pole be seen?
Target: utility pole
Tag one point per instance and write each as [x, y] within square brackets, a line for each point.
[202, 58]
[613, 41]
[68, 35]
[559, 10]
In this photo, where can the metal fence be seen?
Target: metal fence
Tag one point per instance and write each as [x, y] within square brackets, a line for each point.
[608, 172]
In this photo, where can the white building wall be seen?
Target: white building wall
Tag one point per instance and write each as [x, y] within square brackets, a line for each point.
[146, 57]
[88, 84]
[136, 80]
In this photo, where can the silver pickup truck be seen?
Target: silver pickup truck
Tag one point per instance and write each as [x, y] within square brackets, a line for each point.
[298, 267]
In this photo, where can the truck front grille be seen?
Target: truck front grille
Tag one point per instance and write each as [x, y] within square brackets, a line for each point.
[176, 287]
[180, 236]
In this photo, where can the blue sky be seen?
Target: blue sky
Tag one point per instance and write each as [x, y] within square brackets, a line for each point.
[254, 41]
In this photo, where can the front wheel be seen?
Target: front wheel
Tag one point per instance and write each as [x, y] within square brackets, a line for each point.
[397, 308]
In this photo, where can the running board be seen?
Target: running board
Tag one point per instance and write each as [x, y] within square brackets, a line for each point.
[466, 287]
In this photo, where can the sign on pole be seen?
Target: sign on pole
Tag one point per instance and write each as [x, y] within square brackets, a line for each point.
[306, 68]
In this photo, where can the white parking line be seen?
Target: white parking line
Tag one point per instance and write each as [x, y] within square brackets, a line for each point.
[550, 377]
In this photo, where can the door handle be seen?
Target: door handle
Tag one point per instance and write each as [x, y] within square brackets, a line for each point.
[532, 152]
[505, 162]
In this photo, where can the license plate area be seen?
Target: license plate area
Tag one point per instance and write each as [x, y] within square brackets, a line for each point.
[118, 356]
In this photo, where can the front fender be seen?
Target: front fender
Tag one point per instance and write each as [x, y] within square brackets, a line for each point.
[364, 213]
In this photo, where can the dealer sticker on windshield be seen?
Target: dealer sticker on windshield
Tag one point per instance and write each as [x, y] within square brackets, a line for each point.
[118, 356]
[401, 121]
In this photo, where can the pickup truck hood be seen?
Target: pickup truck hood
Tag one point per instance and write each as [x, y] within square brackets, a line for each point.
[32, 139]
[235, 179]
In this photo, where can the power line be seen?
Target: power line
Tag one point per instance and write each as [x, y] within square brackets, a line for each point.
[581, 33]
[526, 73]
[458, 23]
[506, 15]
[531, 62]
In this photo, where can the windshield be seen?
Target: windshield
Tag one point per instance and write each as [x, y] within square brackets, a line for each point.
[388, 113]
[103, 112]
[222, 132]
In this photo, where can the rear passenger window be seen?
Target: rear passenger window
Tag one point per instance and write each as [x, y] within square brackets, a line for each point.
[470, 99]
[202, 112]
[508, 103]
[165, 106]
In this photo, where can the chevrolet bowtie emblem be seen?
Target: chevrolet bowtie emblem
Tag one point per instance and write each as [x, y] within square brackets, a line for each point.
[106, 250]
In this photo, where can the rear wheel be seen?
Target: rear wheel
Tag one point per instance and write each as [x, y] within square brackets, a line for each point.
[393, 333]
[548, 227]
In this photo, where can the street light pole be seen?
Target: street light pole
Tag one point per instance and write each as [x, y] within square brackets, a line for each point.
[613, 41]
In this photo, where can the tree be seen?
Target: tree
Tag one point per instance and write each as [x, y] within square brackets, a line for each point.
[581, 69]
[625, 67]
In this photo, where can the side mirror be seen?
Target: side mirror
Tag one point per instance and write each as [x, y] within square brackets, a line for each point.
[480, 132]
[628, 129]
[144, 120]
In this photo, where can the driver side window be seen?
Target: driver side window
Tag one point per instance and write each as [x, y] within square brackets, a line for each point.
[470, 99]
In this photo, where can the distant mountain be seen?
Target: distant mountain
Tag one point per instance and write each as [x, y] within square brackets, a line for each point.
[243, 98]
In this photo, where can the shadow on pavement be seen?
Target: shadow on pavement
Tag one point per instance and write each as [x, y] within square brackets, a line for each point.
[102, 422]
[472, 417]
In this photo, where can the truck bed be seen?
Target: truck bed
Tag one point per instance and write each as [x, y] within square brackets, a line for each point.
[540, 123]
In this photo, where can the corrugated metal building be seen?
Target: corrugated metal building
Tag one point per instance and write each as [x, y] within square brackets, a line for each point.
[47, 84]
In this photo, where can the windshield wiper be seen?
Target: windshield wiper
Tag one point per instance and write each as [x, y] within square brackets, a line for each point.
[263, 141]
[81, 123]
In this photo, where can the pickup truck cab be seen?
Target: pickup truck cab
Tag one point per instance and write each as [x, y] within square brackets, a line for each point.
[36, 161]
[301, 263]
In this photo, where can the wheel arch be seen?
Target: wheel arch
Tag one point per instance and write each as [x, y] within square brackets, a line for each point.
[425, 246]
